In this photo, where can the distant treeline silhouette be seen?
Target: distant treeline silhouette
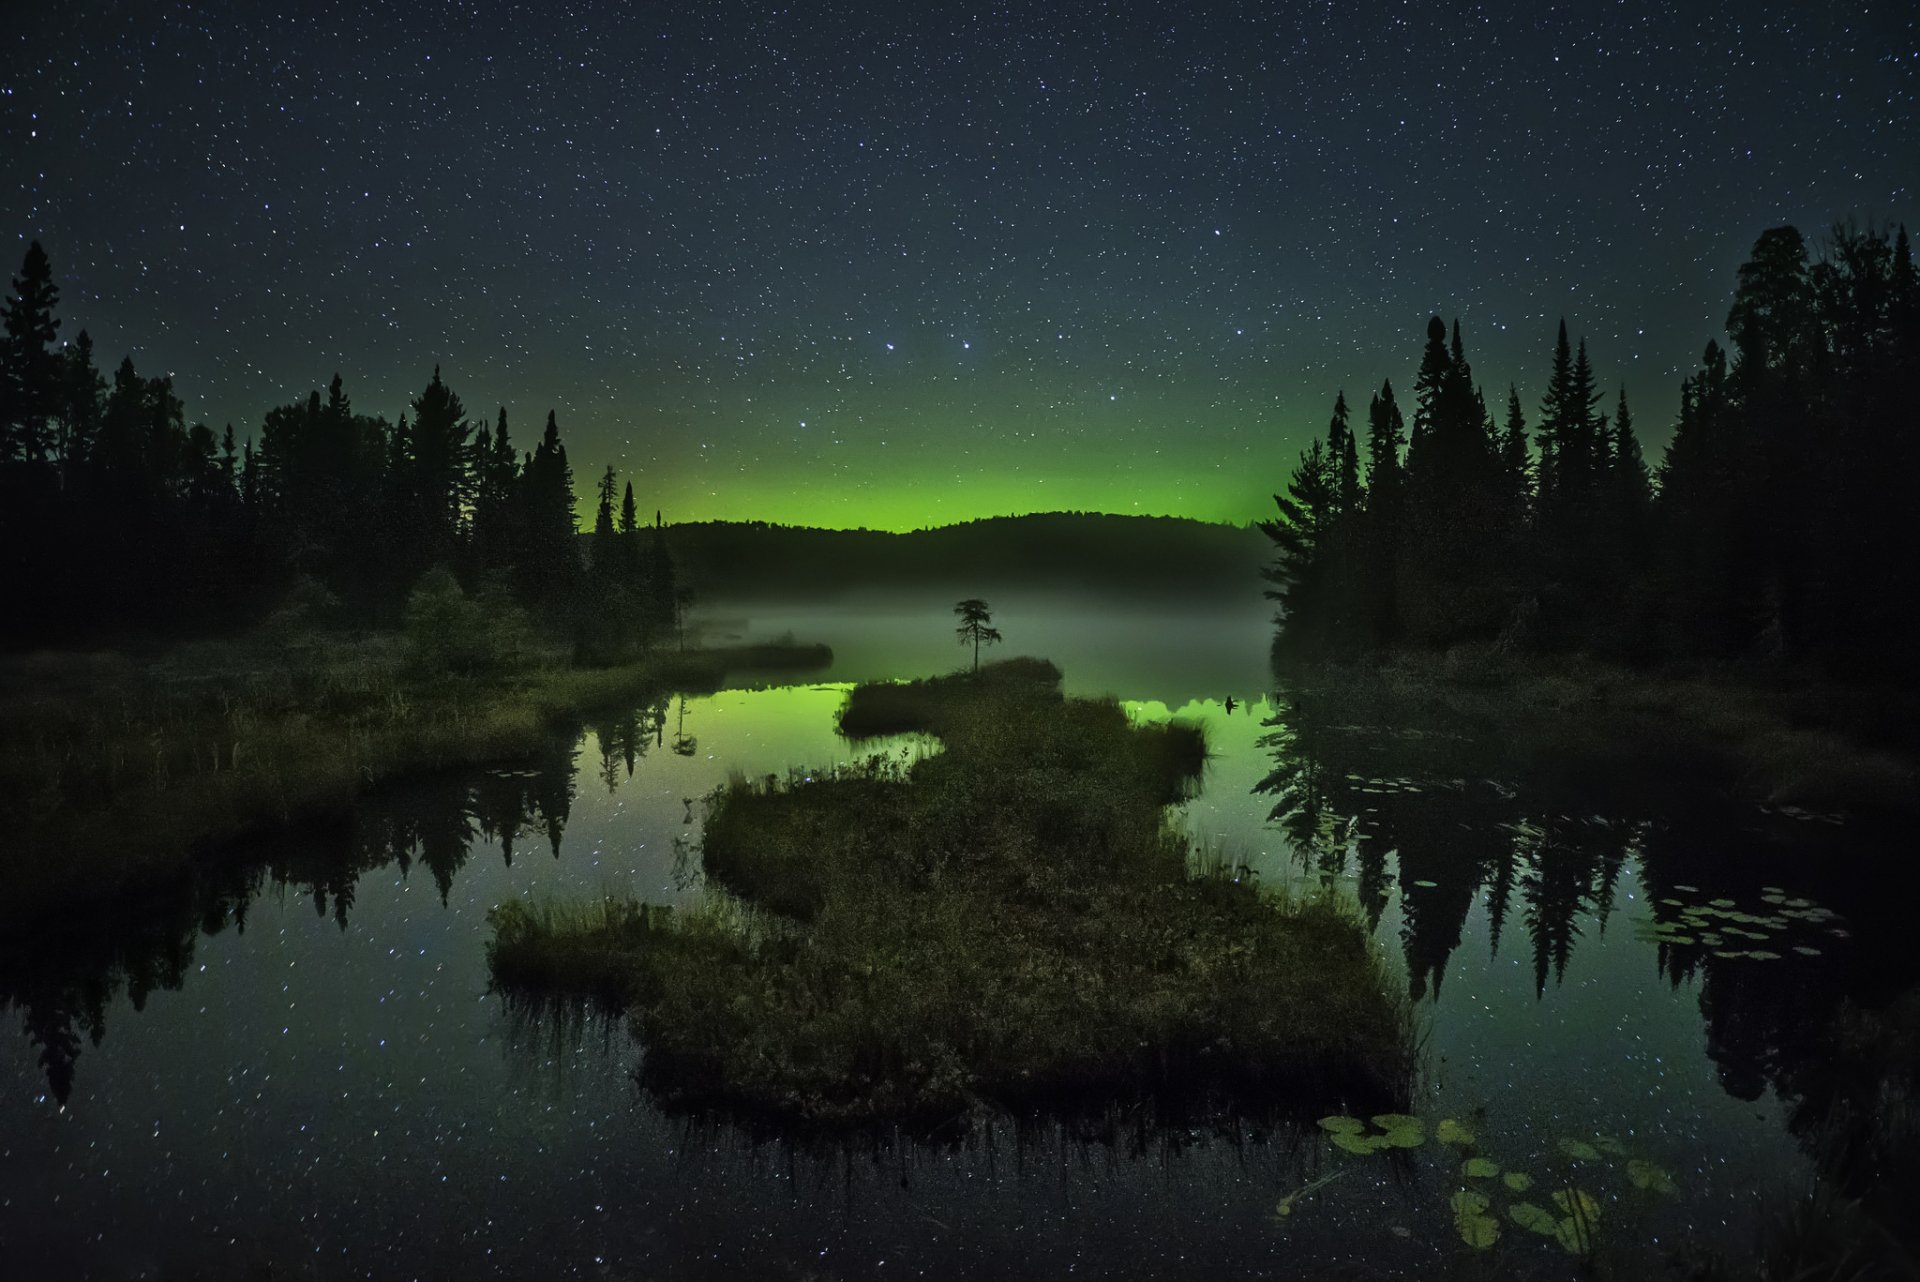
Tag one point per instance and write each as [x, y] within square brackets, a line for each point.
[1157, 556]
[117, 518]
[1781, 524]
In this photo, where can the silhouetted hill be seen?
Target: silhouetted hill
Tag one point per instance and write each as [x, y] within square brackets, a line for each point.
[1056, 551]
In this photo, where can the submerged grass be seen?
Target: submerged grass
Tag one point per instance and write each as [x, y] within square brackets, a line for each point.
[116, 775]
[1009, 923]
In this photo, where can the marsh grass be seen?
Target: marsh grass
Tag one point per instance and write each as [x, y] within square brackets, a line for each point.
[116, 774]
[1007, 924]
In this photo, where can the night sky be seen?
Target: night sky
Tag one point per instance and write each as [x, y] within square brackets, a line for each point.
[906, 264]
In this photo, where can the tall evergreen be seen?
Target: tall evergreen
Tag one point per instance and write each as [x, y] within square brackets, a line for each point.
[30, 382]
[437, 481]
[1298, 573]
[1343, 456]
[551, 563]
[1515, 461]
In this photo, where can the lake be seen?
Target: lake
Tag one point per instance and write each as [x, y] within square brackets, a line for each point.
[294, 1067]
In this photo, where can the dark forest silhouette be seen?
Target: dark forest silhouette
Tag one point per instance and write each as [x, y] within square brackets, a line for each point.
[117, 518]
[1780, 524]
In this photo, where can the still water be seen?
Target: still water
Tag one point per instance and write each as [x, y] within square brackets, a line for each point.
[295, 1069]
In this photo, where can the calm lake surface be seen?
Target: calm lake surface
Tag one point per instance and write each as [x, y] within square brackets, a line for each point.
[295, 1068]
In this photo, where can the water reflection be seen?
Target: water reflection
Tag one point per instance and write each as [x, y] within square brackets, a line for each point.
[63, 978]
[1785, 929]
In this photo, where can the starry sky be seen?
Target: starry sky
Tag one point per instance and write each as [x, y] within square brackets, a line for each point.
[904, 264]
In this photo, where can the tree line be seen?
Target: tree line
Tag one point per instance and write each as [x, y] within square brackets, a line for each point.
[1780, 524]
[118, 519]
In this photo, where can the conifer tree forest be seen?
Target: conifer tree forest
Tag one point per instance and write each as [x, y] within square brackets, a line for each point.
[1779, 526]
[119, 519]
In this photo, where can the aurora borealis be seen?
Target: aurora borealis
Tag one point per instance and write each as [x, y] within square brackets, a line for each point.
[893, 265]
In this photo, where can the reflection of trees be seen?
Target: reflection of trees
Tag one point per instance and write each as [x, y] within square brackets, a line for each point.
[624, 738]
[1350, 793]
[1835, 1033]
[62, 977]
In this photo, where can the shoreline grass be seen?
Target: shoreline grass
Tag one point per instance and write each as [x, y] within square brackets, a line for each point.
[1784, 743]
[116, 776]
[1007, 924]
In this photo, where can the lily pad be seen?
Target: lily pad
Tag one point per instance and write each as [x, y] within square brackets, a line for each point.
[1468, 1202]
[1364, 1145]
[1580, 1150]
[1395, 1121]
[1404, 1136]
[1451, 1132]
[1479, 1168]
[1518, 1181]
[1537, 1219]
[1424, 884]
[1805, 951]
[1762, 954]
[1577, 1203]
[1478, 1231]
[1337, 1125]
[1649, 1176]
[1610, 1145]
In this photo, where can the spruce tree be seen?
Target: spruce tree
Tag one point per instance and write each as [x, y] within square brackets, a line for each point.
[1515, 467]
[437, 466]
[1298, 574]
[29, 368]
[1344, 457]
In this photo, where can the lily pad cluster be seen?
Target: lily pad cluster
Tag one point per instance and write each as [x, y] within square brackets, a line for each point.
[1569, 1215]
[1394, 1130]
[1730, 932]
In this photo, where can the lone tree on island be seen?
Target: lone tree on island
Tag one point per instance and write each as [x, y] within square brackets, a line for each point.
[976, 626]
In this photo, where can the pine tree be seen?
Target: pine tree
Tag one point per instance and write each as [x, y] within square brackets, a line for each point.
[552, 563]
[629, 540]
[30, 382]
[1556, 413]
[437, 463]
[1299, 573]
[1515, 466]
[1344, 457]
[1386, 436]
[603, 527]
[1430, 390]
[82, 393]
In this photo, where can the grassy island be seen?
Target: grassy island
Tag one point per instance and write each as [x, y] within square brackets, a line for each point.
[1010, 923]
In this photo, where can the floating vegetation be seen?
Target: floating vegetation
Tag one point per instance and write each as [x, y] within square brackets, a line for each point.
[1720, 925]
[1397, 1130]
[1571, 1214]
[1650, 1177]
[1470, 1219]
